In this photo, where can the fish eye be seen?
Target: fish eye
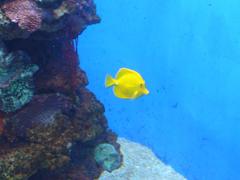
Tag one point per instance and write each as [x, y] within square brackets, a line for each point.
[141, 85]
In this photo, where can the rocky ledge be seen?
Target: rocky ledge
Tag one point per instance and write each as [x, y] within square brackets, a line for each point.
[51, 126]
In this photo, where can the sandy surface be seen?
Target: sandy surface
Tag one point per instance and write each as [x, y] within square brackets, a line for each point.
[140, 163]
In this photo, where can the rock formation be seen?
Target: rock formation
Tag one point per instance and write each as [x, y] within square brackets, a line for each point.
[50, 124]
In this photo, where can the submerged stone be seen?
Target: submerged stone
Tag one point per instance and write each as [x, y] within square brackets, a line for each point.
[107, 157]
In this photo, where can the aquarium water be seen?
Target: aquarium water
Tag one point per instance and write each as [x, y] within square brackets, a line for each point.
[188, 52]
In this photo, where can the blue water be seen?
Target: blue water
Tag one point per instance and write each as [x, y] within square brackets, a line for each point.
[188, 51]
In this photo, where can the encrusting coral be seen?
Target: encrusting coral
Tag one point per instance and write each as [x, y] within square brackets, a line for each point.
[16, 79]
[45, 18]
[107, 156]
[50, 124]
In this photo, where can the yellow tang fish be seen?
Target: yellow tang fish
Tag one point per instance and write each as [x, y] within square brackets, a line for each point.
[128, 84]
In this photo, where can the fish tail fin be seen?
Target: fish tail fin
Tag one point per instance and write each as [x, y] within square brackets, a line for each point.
[109, 81]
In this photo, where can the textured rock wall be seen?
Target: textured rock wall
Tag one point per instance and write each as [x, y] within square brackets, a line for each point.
[50, 124]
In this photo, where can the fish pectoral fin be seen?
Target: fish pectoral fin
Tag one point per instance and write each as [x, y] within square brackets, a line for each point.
[118, 93]
[124, 71]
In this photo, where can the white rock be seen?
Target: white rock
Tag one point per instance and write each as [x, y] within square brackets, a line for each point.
[140, 163]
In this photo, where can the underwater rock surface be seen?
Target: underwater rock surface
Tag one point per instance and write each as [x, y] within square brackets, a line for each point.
[50, 124]
[107, 157]
[45, 18]
[140, 162]
[16, 79]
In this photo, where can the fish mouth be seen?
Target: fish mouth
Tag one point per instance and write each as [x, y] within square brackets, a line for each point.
[146, 92]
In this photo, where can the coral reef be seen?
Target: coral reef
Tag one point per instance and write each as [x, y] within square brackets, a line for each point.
[107, 156]
[16, 79]
[45, 18]
[51, 126]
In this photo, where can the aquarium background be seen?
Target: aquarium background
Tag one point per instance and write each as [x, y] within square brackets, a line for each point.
[188, 52]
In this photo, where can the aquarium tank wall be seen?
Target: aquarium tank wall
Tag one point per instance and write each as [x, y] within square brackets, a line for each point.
[189, 55]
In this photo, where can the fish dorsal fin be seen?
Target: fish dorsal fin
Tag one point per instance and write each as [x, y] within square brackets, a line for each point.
[124, 71]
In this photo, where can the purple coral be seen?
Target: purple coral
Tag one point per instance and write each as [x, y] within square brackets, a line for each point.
[25, 13]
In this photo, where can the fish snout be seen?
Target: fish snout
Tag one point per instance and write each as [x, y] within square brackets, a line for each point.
[145, 91]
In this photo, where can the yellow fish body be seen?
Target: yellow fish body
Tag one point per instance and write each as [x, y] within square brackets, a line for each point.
[128, 84]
